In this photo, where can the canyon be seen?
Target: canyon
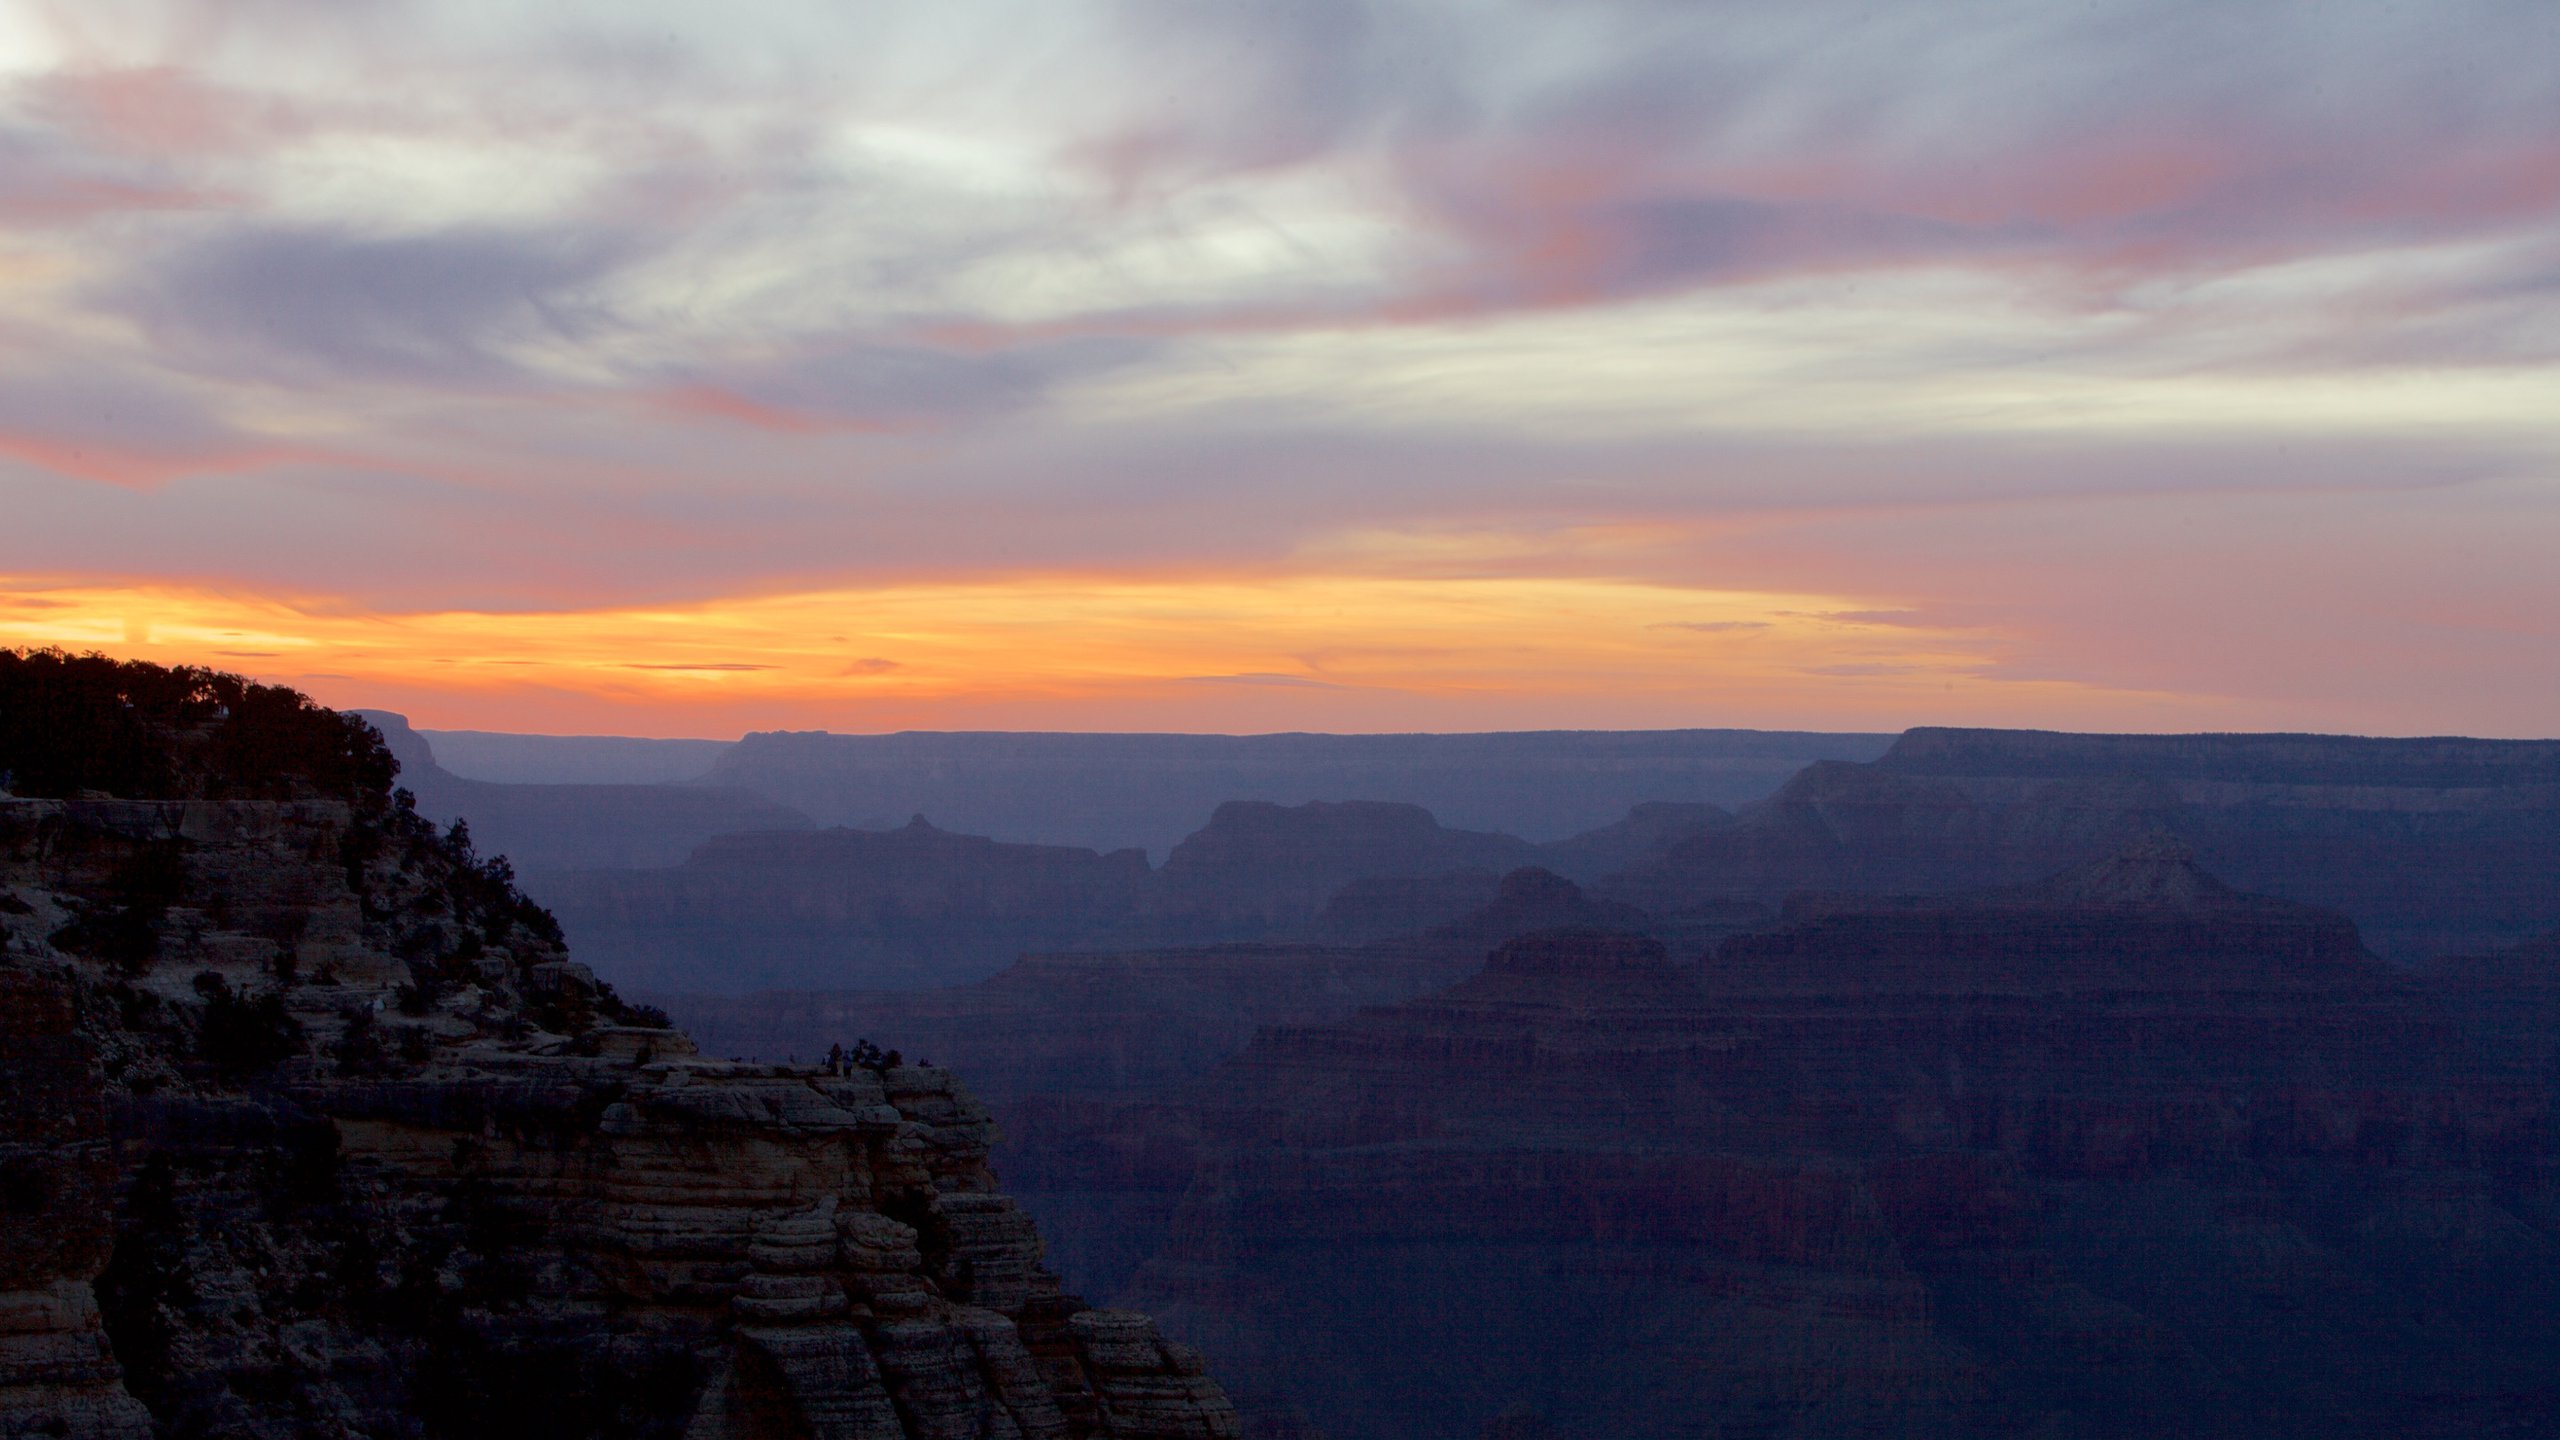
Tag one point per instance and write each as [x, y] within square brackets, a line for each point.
[1990, 1084]
[2121, 1151]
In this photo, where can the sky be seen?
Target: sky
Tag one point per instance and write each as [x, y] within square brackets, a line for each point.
[1226, 365]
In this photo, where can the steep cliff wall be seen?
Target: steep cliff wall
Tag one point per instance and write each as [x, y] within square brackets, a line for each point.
[312, 1128]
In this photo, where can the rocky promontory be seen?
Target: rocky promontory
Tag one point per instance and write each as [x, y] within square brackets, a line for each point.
[311, 1127]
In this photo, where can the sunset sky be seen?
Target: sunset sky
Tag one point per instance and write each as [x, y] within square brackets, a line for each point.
[684, 369]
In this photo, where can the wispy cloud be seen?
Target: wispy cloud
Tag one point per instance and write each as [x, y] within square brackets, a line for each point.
[436, 310]
[1301, 682]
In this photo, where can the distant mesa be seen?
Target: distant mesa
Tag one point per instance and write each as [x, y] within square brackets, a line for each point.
[574, 759]
[2257, 759]
[1108, 792]
[2431, 846]
[544, 829]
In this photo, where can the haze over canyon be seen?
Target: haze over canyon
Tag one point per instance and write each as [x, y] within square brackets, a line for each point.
[1280, 720]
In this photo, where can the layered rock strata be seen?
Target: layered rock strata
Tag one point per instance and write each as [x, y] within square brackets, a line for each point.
[312, 1128]
[2119, 1154]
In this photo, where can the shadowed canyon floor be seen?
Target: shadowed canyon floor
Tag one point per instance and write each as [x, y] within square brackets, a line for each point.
[2127, 1154]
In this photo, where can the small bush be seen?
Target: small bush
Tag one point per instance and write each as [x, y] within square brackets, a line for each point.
[241, 1037]
[125, 936]
[867, 1056]
[122, 928]
[359, 1049]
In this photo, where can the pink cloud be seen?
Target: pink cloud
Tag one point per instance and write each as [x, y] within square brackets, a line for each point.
[139, 468]
[713, 402]
[158, 111]
[71, 200]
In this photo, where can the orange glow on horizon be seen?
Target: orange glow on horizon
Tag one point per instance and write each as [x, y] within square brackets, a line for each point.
[1306, 652]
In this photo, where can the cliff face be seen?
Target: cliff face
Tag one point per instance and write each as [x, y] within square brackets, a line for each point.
[57, 1371]
[313, 1129]
[2123, 1153]
[2431, 846]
